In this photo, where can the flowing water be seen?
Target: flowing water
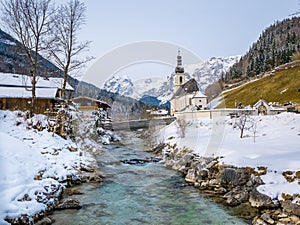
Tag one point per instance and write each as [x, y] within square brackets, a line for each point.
[142, 193]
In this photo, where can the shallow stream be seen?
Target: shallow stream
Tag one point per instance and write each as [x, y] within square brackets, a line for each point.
[141, 193]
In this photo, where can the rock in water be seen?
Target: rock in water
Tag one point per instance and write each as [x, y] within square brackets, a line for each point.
[69, 203]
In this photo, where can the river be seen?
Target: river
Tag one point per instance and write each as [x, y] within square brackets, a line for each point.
[142, 193]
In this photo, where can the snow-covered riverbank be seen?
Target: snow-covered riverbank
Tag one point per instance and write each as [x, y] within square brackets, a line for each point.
[275, 146]
[35, 165]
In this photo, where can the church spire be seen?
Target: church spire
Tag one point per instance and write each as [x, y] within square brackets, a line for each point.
[179, 68]
[179, 59]
[179, 76]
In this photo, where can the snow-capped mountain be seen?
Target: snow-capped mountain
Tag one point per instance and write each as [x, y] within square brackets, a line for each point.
[120, 85]
[156, 87]
[204, 73]
[209, 71]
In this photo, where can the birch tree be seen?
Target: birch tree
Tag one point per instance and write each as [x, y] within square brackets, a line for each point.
[30, 22]
[65, 47]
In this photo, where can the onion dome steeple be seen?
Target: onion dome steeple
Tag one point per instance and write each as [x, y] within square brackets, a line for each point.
[179, 68]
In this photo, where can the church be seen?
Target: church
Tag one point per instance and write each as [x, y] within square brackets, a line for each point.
[187, 95]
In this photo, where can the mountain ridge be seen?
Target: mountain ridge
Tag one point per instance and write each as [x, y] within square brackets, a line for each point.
[205, 73]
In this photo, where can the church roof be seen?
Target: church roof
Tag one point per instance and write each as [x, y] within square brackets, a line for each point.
[189, 87]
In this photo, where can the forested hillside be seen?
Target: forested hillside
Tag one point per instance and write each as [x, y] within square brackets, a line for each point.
[277, 45]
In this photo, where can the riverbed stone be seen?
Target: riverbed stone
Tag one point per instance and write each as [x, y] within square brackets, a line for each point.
[260, 200]
[183, 164]
[294, 219]
[267, 218]
[69, 203]
[169, 163]
[191, 176]
[258, 221]
[45, 221]
[291, 208]
[235, 176]
[203, 173]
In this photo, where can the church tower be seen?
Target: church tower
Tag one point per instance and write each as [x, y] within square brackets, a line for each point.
[179, 76]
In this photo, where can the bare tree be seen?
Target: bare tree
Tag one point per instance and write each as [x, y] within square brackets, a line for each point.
[65, 45]
[243, 122]
[30, 22]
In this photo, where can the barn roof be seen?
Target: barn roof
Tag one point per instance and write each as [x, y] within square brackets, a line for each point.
[18, 80]
[90, 99]
[22, 92]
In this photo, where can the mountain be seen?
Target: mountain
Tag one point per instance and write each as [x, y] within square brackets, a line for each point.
[277, 45]
[155, 87]
[13, 60]
[211, 70]
[205, 73]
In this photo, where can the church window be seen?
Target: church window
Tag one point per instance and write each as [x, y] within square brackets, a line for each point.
[180, 79]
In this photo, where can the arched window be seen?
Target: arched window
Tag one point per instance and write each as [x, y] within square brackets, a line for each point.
[180, 79]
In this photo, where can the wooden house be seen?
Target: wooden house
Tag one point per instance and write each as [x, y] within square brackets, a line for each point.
[15, 92]
[87, 103]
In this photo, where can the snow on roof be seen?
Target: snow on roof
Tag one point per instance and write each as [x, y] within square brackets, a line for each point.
[21, 92]
[199, 94]
[266, 104]
[159, 112]
[9, 79]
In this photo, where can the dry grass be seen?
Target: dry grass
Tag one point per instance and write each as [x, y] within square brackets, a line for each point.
[282, 87]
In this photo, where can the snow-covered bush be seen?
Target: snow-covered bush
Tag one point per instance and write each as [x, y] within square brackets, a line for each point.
[101, 119]
[64, 121]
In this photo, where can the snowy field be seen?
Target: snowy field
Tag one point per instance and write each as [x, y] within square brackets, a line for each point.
[33, 164]
[274, 142]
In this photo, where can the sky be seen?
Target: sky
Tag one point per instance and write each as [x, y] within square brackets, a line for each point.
[205, 27]
[201, 28]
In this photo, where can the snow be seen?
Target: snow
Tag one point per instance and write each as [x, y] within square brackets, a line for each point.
[9, 79]
[199, 94]
[19, 92]
[275, 145]
[7, 42]
[26, 153]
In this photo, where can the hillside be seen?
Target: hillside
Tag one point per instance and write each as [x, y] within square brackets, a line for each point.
[276, 46]
[280, 86]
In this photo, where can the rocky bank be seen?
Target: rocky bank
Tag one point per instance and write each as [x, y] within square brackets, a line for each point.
[232, 186]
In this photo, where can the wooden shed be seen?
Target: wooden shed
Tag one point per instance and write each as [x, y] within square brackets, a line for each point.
[87, 103]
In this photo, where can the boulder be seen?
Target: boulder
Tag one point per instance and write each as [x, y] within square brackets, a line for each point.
[291, 208]
[68, 203]
[260, 200]
[191, 176]
[235, 176]
[183, 163]
[235, 198]
[267, 218]
[45, 221]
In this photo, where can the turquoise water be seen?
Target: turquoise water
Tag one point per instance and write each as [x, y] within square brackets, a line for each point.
[141, 194]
